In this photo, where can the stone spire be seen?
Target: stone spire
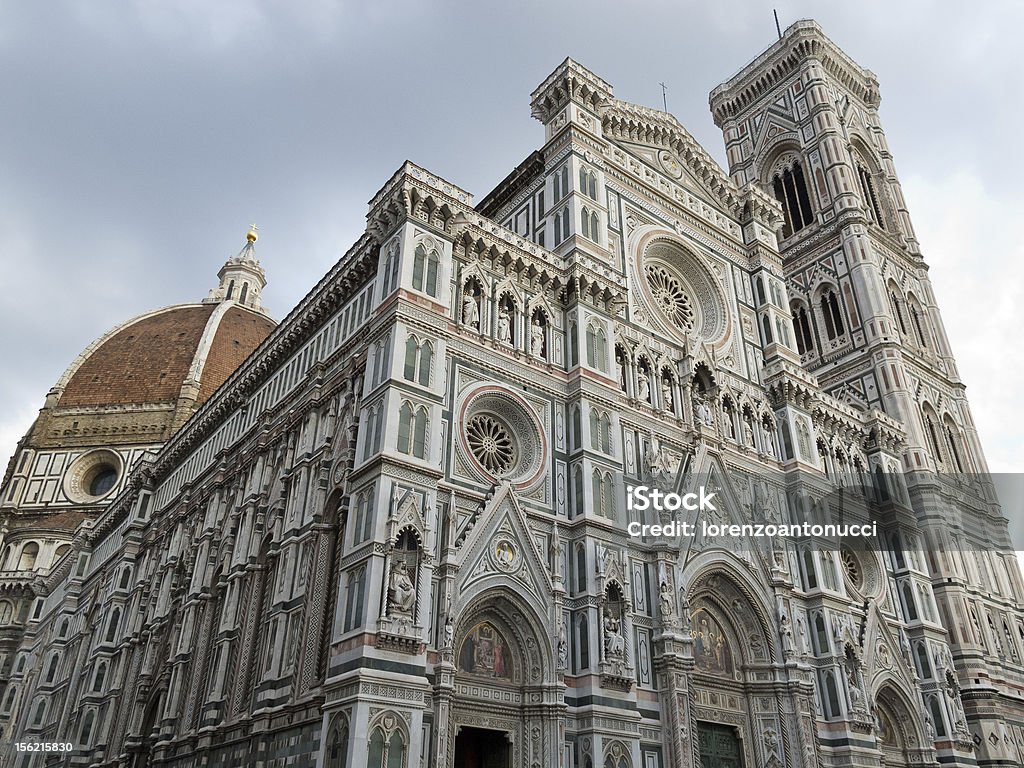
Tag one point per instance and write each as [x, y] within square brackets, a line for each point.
[242, 279]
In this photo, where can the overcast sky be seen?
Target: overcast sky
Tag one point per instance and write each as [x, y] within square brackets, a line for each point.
[139, 139]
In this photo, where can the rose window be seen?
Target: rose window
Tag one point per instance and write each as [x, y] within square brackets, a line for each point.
[670, 296]
[491, 443]
[850, 566]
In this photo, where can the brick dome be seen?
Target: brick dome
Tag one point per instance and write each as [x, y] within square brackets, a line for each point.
[158, 357]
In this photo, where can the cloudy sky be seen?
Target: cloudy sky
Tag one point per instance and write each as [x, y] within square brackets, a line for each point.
[138, 139]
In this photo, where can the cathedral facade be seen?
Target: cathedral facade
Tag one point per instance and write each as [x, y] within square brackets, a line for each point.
[398, 534]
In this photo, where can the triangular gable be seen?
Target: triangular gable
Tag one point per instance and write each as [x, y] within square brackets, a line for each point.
[500, 544]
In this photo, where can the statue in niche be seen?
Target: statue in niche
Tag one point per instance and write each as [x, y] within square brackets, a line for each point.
[401, 590]
[504, 324]
[563, 647]
[668, 611]
[536, 337]
[614, 645]
[666, 394]
[702, 410]
[643, 385]
[449, 632]
[748, 432]
[470, 310]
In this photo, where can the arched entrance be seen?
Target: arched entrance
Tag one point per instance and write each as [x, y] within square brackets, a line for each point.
[897, 730]
[505, 708]
[736, 724]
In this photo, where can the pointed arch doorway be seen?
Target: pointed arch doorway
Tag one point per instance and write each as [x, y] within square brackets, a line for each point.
[504, 709]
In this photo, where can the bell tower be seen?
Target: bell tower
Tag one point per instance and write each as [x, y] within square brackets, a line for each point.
[802, 120]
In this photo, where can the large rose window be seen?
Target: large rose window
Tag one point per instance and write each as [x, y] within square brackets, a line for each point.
[681, 290]
[502, 436]
[670, 296]
[491, 444]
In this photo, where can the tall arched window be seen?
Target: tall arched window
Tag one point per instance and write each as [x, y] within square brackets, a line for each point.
[37, 719]
[51, 669]
[418, 356]
[405, 427]
[424, 270]
[833, 317]
[412, 430]
[337, 745]
[101, 676]
[560, 183]
[86, 731]
[12, 693]
[386, 751]
[933, 437]
[790, 189]
[897, 309]
[588, 183]
[918, 319]
[597, 347]
[954, 444]
[29, 554]
[867, 188]
[115, 619]
[6, 612]
[354, 589]
[802, 329]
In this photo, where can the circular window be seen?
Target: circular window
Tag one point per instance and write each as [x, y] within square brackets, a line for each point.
[491, 443]
[92, 476]
[851, 566]
[102, 481]
[502, 436]
[681, 290]
[670, 296]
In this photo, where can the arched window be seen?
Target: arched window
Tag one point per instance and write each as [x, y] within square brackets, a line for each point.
[954, 444]
[231, 289]
[766, 327]
[867, 188]
[354, 589]
[924, 665]
[830, 311]
[418, 356]
[101, 677]
[919, 321]
[790, 189]
[582, 643]
[935, 708]
[909, 603]
[424, 270]
[933, 439]
[831, 695]
[86, 731]
[412, 430]
[126, 578]
[51, 669]
[405, 427]
[560, 183]
[115, 619]
[12, 693]
[588, 183]
[597, 347]
[29, 554]
[897, 309]
[37, 719]
[386, 751]
[337, 745]
[802, 329]
[6, 612]
[244, 294]
[602, 491]
[585, 222]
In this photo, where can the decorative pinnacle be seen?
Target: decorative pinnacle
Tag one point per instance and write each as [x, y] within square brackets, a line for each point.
[251, 235]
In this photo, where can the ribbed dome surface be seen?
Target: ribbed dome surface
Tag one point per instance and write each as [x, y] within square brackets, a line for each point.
[148, 359]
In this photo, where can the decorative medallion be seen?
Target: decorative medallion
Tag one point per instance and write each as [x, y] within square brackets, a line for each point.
[670, 165]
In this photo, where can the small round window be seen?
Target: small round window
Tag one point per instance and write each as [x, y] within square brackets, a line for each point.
[102, 481]
[92, 476]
